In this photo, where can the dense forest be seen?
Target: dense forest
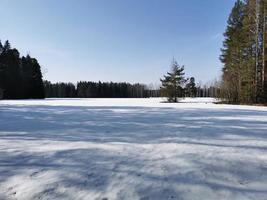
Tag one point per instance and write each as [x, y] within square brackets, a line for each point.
[98, 90]
[120, 90]
[20, 77]
[244, 54]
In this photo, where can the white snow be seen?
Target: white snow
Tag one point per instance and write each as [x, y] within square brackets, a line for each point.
[132, 149]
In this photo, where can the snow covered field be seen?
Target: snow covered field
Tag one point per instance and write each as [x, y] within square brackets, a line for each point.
[108, 149]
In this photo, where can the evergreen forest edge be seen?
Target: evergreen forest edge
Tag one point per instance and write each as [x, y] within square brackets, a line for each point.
[243, 80]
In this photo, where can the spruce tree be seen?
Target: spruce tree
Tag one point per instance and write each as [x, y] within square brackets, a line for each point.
[36, 80]
[13, 86]
[172, 83]
[19, 77]
[190, 88]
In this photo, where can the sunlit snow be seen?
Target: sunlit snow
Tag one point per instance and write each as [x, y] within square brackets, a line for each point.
[108, 149]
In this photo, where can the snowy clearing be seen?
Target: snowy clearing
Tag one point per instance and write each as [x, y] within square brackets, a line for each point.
[108, 149]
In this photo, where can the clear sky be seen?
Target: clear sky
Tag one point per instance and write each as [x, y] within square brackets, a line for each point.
[117, 40]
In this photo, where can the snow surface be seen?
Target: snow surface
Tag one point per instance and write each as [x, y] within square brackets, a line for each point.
[108, 149]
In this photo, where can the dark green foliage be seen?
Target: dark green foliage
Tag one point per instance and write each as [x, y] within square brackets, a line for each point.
[173, 82]
[32, 78]
[19, 77]
[244, 53]
[232, 54]
[7, 46]
[1, 47]
[11, 74]
[110, 90]
[98, 90]
[59, 90]
[190, 88]
[175, 85]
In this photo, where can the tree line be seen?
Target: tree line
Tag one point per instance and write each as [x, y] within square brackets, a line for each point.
[244, 54]
[99, 89]
[118, 90]
[20, 77]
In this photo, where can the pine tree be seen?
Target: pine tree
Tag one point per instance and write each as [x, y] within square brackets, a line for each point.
[244, 54]
[232, 54]
[172, 83]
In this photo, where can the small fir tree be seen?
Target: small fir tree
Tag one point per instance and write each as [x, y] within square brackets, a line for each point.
[172, 83]
[190, 88]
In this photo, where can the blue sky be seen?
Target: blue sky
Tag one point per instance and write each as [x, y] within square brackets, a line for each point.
[117, 40]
